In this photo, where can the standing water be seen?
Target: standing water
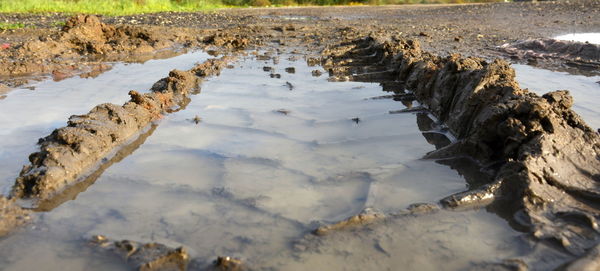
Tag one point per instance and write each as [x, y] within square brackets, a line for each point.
[584, 89]
[266, 153]
[27, 114]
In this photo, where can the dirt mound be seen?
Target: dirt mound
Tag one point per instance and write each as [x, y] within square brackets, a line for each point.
[70, 152]
[546, 159]
[84, 40]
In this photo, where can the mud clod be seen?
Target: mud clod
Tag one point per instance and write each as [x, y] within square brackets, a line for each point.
[145, 257]
[226, 263]
[366, 217]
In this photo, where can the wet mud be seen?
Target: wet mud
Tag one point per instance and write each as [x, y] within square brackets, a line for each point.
[71, 151]
[531, 159]
[85, 44]
[546, 159]
[145, 257]
[582, 55]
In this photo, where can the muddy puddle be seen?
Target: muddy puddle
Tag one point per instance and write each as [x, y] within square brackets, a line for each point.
[27, 114]
[584, 89]
[265, 154]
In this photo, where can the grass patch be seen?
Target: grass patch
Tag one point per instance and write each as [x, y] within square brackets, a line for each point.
[125, 7]
[7, 26]
[106, 7]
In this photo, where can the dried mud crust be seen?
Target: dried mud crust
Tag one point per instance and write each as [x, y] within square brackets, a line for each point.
[546, 159]
[70, 152]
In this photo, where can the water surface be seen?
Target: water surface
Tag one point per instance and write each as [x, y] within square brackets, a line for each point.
[584, 89]
[257, 161]
[26, 114]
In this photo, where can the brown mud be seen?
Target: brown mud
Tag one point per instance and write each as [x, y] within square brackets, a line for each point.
[145, 257]
[582, 55]
[546, 159]
[85, 44]
[71, 151]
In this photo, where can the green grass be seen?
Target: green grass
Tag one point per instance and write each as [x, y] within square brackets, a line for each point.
[106, 7]
[7, 26]
[125, 7]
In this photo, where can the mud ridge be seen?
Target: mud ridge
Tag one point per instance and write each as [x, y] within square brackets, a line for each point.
[70, 152]
[546, 159]
[580, 54]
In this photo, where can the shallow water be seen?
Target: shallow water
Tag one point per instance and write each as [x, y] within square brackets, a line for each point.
[26, 115]
[581, 37]
[269, 160]
[584, 89]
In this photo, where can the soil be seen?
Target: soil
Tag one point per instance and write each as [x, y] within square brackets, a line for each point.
[545, 160]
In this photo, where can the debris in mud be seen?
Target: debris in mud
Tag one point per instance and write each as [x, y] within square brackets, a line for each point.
[228, 40]
[289, 85]
[226, 263]
[11, 216]
[146, 257]
[283, 111]
[544, 156]
[365, 217]
[197, 119]
[71, 151]
[410, 109]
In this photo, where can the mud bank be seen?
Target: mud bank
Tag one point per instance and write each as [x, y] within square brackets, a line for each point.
[85, 44]
[88, 140]
[545, 158]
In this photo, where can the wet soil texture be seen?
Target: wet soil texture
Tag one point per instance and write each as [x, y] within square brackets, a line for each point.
[534, 161]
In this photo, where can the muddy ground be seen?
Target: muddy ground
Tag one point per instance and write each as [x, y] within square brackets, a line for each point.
[59, 46]
[471, 30]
